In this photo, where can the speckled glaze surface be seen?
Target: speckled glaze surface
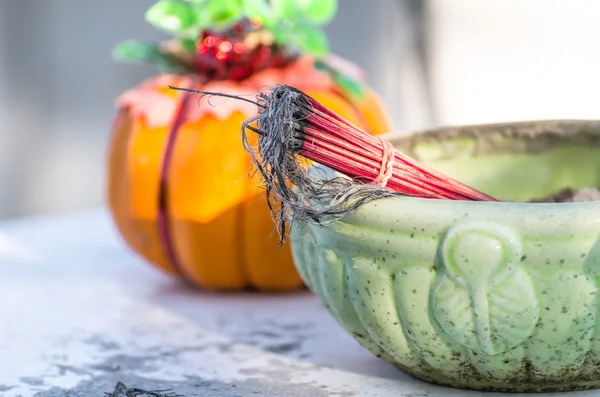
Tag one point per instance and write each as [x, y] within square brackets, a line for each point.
[478, 295]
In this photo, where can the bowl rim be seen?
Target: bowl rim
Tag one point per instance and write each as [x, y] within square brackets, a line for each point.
[557, 130]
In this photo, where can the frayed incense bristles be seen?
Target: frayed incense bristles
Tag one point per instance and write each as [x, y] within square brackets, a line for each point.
[304, 194]
[294, 127]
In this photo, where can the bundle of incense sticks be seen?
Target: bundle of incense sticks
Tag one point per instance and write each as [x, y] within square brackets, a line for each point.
[293, 127]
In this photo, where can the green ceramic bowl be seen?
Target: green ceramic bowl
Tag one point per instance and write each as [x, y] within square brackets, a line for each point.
[478, 295]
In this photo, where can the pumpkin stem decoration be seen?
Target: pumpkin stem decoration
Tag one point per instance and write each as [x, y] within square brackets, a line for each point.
[294, 127]
[233, 39]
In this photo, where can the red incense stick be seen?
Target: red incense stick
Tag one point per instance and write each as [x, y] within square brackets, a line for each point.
[338, 144]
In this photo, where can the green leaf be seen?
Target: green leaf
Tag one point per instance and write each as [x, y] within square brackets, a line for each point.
[134, 51]
[172, 16]
[311, 39]
[320, 12]
[221, 13]
[280, 34]
[317, 12]
[351, 87]
[287, 10]
[259, 9]
[151, 53]
[188, 45]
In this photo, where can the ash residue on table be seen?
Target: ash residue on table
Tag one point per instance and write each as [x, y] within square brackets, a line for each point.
[192, 387]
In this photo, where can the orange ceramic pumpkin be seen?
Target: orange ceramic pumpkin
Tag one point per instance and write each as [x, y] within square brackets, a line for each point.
[180, 189]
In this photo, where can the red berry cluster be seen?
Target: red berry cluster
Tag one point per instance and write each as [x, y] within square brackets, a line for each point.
[236, 53]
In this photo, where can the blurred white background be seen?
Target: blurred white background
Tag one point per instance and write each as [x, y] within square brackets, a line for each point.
[434, 62]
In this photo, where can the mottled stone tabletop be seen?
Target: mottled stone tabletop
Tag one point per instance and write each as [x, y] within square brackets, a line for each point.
[79, 313]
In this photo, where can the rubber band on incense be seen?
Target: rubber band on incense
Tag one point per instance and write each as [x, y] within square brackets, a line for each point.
[294, 127]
